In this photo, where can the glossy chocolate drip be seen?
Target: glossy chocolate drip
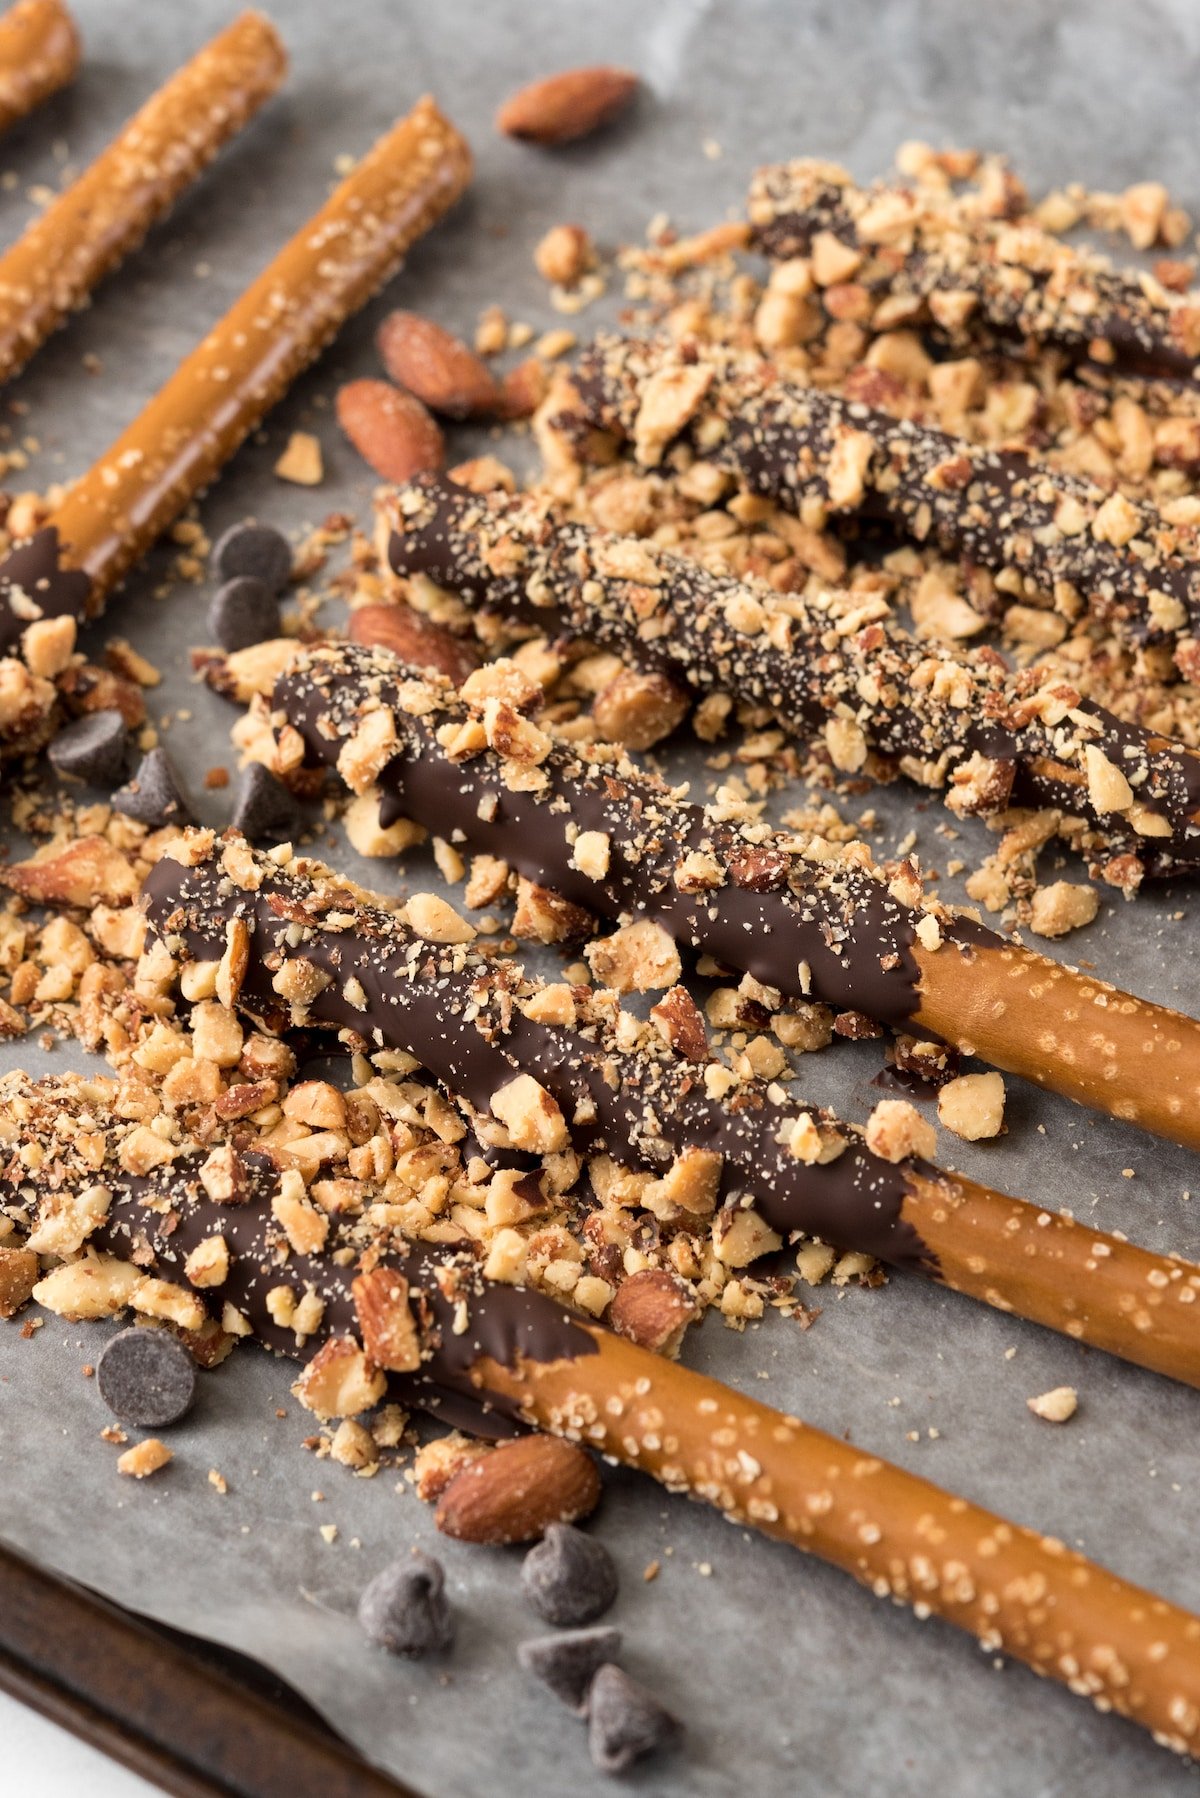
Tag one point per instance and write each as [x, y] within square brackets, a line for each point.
[996, 508]
[1040, 297]
[157, 1220]
[667, 613]
[461, 1018]
[36, 582]
[770, 912]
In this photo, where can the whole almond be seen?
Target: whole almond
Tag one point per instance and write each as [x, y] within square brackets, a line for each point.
[523, 390]
[566, 106]
[416, 640]
[514, 1493]
[390, 429]
[653, 1308]
[435, 365]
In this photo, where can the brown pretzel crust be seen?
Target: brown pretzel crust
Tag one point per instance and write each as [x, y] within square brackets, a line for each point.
[902, 1537]
[285, 318]
[1045, 1266]
[39, 53]
[1066, 1031]
[102, 216]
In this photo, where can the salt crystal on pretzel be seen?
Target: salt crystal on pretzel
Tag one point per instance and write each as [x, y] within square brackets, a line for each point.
[222, 390]
[795, 914]
[39, 53]
[494, 1357]
[313, 952]
[924, 261]
[56, 262]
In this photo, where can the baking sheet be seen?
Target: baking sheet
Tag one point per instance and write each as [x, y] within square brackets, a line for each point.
[782, 1670]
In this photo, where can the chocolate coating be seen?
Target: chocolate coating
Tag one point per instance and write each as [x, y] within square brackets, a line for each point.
[997, 508]
[37, 581]
[462, 1019]
[1008, 274]
[156, 1221]
[769, 911]
[806, 661]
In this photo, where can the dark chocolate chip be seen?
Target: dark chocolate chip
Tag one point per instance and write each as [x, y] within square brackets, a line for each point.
[569, 1578]
[92, 749]
[153, 796]
[255, 549]
[244, 612]
[625, 1721]
[146, 1377]
[265, 808]
[567, 1663]
[405, 1610]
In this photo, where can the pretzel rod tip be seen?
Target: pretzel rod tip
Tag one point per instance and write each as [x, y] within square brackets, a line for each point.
[39, 53]
[243, 366]
[57, 261]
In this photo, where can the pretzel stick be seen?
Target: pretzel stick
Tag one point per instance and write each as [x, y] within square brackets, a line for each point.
[925, 260]
[1052, 533]
[39, 53]
[836, 664]
[489, 1352]
[796, 914]
[222, 390]
[102, 216]
[553, 1066]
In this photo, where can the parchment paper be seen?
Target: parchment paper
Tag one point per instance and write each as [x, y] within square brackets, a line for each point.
[786, 1675]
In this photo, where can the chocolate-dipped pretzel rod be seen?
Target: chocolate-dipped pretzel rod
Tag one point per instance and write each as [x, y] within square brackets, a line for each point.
[471, 1349]
[221, 391]
[39, 53]
[102, 216]
[559, 1071]
[1055, 535]
[935, 261]
[835, 663]
[798, 915]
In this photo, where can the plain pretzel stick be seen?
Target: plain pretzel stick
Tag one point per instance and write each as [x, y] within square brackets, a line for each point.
[54, 265]
[39, 53]
[483, 1353]
[801, 917]
[222, 390]
[936, 262]
[289, 944]
[1051, 533]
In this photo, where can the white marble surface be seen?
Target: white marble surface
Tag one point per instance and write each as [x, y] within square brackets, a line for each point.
[39, 1757]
